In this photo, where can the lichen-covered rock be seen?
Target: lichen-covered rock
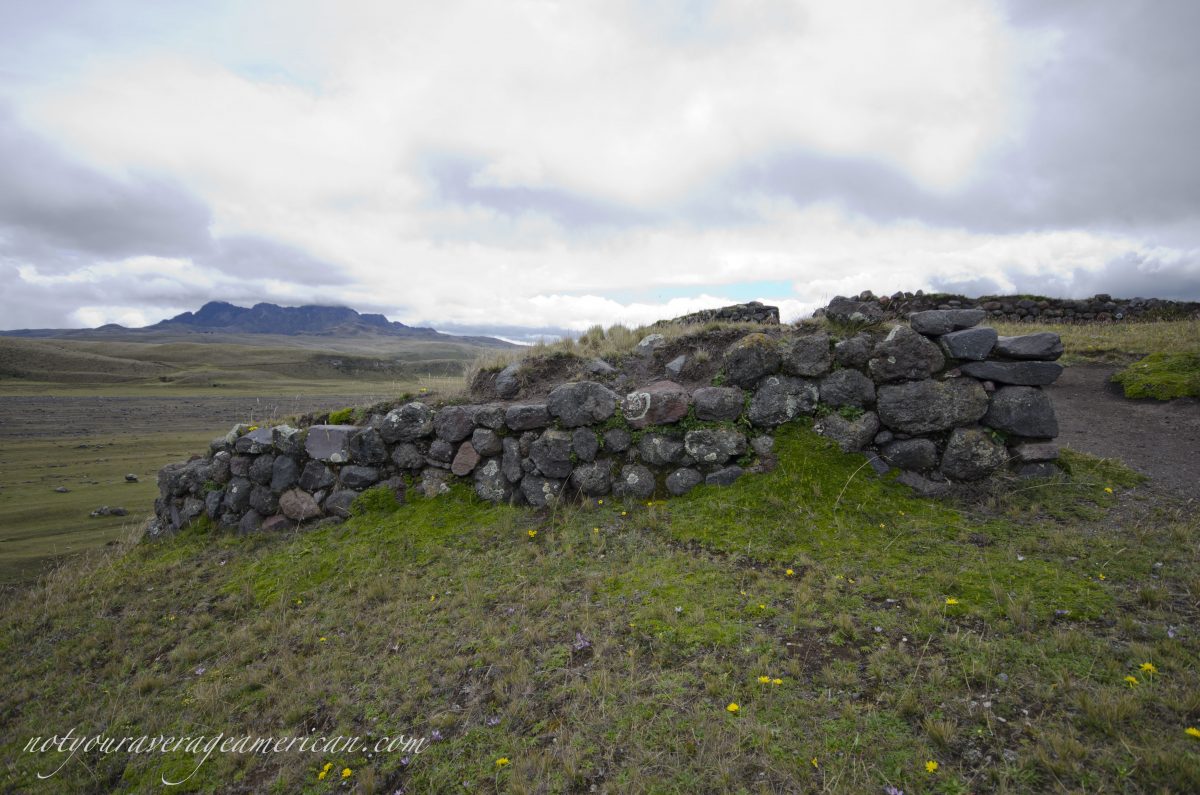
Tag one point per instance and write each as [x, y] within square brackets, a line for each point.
[719, 403]
[237, 496]
[486, 442]
[489, 416]
[914, 454]
[491, 484]
[634, 482]
[714, 445]
[541, 491]
[263, 500]
[213, 504]
[594, 479]
[288, 440]
[751, 358]
[585, 444]
[367, 447]
[935, 322]
[904, 355]
[453, 423]
[298, 505]
[407, 455]
[855, 352]
[724, 477]
[681, 481]
[660, 403]
[239, 465]
[1015, 373]
[599, 367]
[763, 445]
[581, 403]
[285, 473]
[1042, 346]
[806, 355]
[1022, 410]
[850, 435]
[329, 443]
[847, 388]
[971, 454]
[261, 469]
[256, 441]
[617, 440]
[434, 482]
[526, 416]
[508, 382]
[781, 398]
[658, 449]
[465, 460]
[407, 423]
[918, 407]
[510, 461]
[218, 468]
[973, 344]
[649, 344]
[552, 453]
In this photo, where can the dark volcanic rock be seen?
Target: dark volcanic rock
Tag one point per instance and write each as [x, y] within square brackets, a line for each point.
[751, 358]
[1022, 410]
[660, 403]
[594, 479]
[1044, 346]
[453, 423]
[329, 442]
[719, 403]
[920, 407]
[408, 423]
[552, 453]
[714, 445]
[681, 481]
[850, 435]
[943, 321]
[635, 481]
[973, 343]
[847, 388]
[781, 398]
[806, 355]
[581, 403]
[904, 355]
[527, 416]
[915, 454]
[1016, 373]
[971, 454]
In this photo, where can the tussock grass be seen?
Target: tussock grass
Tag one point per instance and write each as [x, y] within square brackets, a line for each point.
[1163, 376]
[603, 651]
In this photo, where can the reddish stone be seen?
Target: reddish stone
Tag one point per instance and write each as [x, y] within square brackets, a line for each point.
[660, 403]
[465, 460]
[299, 505]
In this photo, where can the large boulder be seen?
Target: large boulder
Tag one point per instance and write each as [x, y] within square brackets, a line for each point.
[904, 355]
[719, 403]
[263, 501]
[806, 355]
[850, 435]
[660, 403]
[634, 482]
[581, 403]
[971, 454]
[407, 423]
[913, 454]
[847, 388]
[714, 445]
[1023, 411]
[750, 358]
[1016, 373]
[526, 416]
[918, 407]
[552, 453]
[658, 449]
[782, 398]
[1043, 346]
[935, 322]
[594, 479]
[850, 312]
[974, 343]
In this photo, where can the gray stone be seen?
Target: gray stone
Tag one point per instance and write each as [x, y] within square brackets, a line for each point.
[329, 442]
[407, 423]
[762, 445]
[285, 473]
[971, 454]
[594, 479]
[434, 482]
[681, 481]
[552, 453]
[751, 358]
[489, 415]
[526, 441]
[261, 470]
[239, 465]
[914, 454]
[510, 462]
[453, 423]
[781, 398]
[367, 447]
[440, 453]
[660, 403]
[724, 477]
[299, 506]
[1032, 452]
[1022, 410]
[847, 311]
[585, 444]
[599, 367]
[486, 442]
[1015, 373]
[904, 355]
[634, 482]
[1043, 346]
[850, 435]
[175, 480]
[263, 500]
[491, 484]
[408, 456]
[935, 322]
[581, 403]
[657, 449]
[540, 491]
[316, 476]
[719, 403]
[923, 486]
[218, 470]
[212, 503]
[973, 343]
[465, 460]
[617, 440]
[340, 502]
[675, 367]
[806, 355]
[508, 382]
[276, 523]
[855, 352]
[254, 442]
[847, 388]
[527, 416]
[714, 445]
[879, 466]
[1038, 469]
[250, 522]
[288, 440]
[356, 477]
[920, 407]
[237, 496]
[649, 344]
[883, 437]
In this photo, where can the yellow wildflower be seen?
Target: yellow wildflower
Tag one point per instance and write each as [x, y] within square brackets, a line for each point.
[622, 513]
[1192, 731]
[502, 762]
[931, 766]
[814, 762]
[599, 502]
[789, 572]
[1132, 680]
[347, 772]
[322, 638]
[776, 681]
[1100, 576]
[762, 607]
[733, 707]
[1108, 490]
[1148, 668]
[532, 533]
[321, 776]
[764, 679]
[882, 525]
[950, 600]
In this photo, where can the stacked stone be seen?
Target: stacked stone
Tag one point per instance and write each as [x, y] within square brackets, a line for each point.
[1099, 308]
[751, 312]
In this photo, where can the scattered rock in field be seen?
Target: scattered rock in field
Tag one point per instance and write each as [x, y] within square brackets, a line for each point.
[131, 478]
[105, 510]
[62, 490]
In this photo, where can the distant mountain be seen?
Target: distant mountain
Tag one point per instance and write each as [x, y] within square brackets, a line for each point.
[219, 317]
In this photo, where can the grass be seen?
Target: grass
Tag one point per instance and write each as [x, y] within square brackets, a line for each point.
[603, 651]
[1162, 376]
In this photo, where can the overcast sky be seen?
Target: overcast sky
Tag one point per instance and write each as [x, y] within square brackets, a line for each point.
[534, 166]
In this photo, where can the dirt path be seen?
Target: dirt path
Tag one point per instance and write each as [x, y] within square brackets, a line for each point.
[1161, 440]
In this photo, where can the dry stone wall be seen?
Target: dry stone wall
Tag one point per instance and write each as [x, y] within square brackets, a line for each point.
[942, 399]
[1034, 309]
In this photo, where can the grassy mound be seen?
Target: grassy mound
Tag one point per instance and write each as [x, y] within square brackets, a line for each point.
[1162, 376]
[867, 639]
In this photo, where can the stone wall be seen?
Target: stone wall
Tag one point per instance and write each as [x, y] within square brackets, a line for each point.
[752, 312]
[943, 400]
[1036, 309]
